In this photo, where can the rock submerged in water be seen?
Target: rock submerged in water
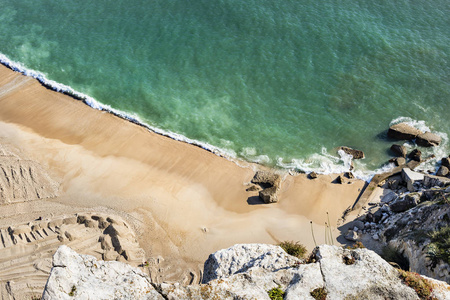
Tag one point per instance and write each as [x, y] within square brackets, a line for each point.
[403, 131]
[428, 139]
[398, 161]
[357, 154]
[443, 171]
[399, 150]
[416, 155]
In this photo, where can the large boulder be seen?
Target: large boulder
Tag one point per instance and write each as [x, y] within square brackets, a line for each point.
[403, 131]
[411, 177]
[269, 195]
[443, 171]
[415, 155]
[405, 203]
[399, 150]
[428, 139]
[357, 154]
[266, 179]
[398, 161]
[241, 257]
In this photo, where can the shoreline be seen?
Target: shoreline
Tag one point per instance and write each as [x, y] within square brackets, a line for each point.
[92, 103]
[184, 201]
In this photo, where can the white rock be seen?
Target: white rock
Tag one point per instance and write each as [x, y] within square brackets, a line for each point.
[411, 178]
[88, 278]
[375, 237]
[362, 275]
[370, 277]
[239, 258]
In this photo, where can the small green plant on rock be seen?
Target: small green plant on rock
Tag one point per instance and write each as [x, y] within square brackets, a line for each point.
[319, 293]
[422, 286]
[276, 294]
[439, 246]
[357, 245]
[72, 292]
[293, 248]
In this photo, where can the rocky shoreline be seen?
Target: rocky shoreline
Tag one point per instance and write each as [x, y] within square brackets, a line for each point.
[404, 214]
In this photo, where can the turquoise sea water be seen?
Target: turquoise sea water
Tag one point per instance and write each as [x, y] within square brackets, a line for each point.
[280, 82]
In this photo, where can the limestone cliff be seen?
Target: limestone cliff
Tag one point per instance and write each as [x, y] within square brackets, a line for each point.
[240, 272]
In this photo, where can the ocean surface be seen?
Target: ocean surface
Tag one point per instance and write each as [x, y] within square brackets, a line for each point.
[282, 82]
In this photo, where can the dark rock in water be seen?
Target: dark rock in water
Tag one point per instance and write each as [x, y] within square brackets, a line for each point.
[357, 154]
[446, 162]
[398, 161]
[349, 175]
[267, 179]
[443, 171]
[405, 203]
[312, 175]
[416, 155]
[428, 139]
[269, 195]
[399, 150]
[403, 131]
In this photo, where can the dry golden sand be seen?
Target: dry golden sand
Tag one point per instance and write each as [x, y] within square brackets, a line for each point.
[184, 202]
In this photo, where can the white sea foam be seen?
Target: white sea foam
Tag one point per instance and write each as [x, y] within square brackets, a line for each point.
[65, 89]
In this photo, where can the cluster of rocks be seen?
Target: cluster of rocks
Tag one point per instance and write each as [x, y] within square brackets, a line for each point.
[404, 131]
[412, 203]
[268, 184]
[246, 271]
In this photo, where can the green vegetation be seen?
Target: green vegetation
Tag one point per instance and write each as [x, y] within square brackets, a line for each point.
[72, 292]
[276, 294]
[439, 248]
[422, 286]
[293, 248]
[319, 294]
[357, 245]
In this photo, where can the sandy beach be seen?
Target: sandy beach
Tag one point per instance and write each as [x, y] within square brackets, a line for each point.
[182, 201]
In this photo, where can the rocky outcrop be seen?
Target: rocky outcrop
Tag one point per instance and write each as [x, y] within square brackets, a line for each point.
[405, 219]
[356, 154]
[76, 276]
[266, 179]
[269, 195]
[403, 131]
[270, 183]
[239, 272]
[240, 258]
[428, 139]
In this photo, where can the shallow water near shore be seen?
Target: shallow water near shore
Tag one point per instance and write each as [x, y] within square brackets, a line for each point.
[281, 83]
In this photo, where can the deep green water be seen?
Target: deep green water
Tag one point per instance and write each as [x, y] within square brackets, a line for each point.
[283, 82]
